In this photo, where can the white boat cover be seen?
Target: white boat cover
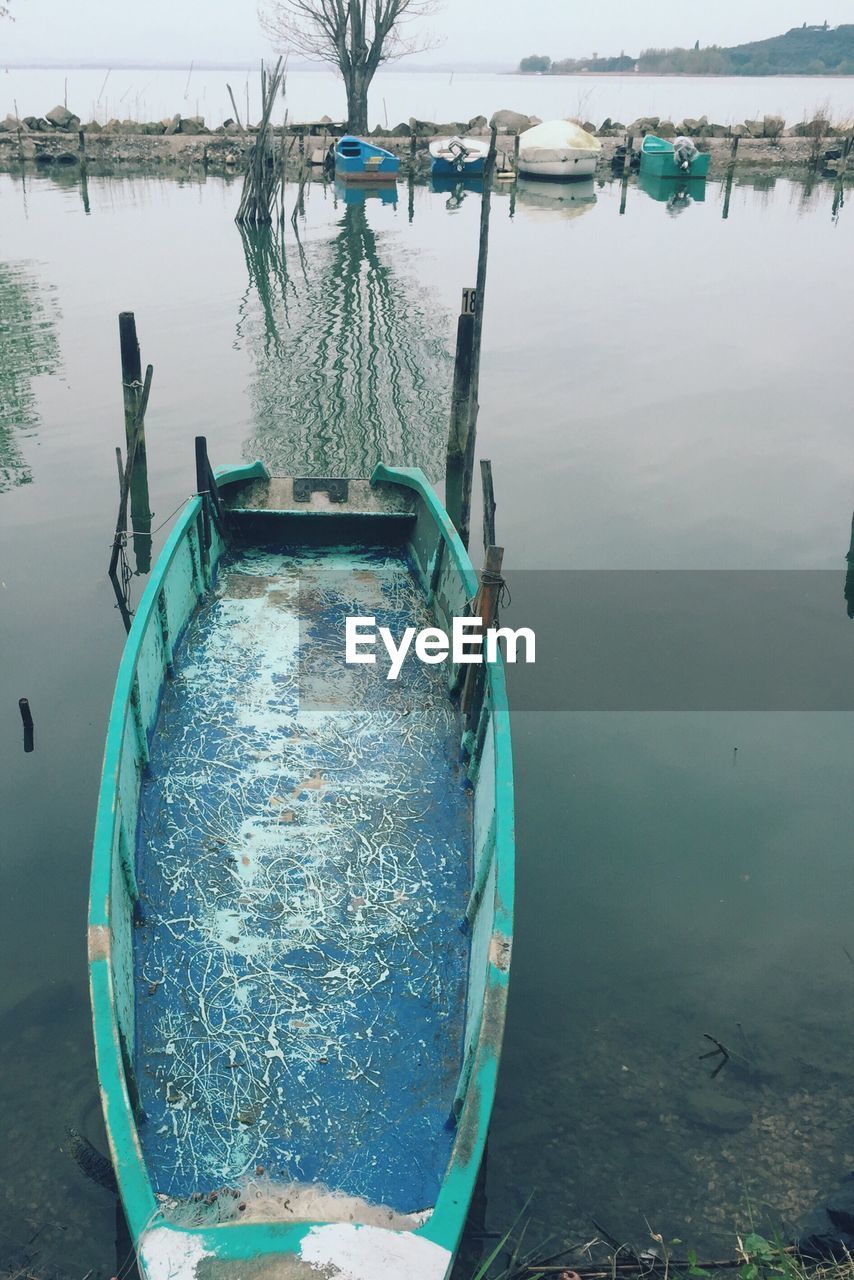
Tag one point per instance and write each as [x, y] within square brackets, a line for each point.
[551, 140]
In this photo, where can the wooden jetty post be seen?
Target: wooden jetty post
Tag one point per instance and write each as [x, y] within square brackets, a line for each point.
[136, 432]
[27, 718]
[516, 145]
[413, 140]
[133, 390]
[131, 372]
[627, 158]
[488, 503]
[733, 151]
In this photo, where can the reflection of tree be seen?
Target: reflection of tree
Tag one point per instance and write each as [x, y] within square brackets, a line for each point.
[28, 348]
[349, 367]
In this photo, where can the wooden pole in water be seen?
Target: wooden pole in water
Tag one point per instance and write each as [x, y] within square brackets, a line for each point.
[203, 484]
[27, 717]
[488, 503]
[136, 433]
[627, 158]
[733, 151]
[516, 145]
[413, 136]
[131, 372]
[460, 394]
[485, 608]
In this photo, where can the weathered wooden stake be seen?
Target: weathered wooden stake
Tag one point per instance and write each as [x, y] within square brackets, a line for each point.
[627, 158]
[27, 717]
[485, 608]
[413, 137]
[136, 432]
[131, 372]
[460, 397]
[203, 484]
[488, 503]
[733, 151]
[516, 145]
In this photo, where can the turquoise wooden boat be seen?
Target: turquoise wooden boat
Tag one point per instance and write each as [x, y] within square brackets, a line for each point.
[360, 161]
[302, 887]
[658, 160]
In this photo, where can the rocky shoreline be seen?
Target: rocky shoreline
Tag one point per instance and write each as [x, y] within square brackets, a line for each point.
[182, 143]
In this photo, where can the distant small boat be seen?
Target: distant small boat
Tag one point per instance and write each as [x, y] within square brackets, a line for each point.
[463, 156]
[659, 160]
[558, 149]
[360, 161]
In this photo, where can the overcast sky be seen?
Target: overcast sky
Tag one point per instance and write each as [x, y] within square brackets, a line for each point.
[489, 31]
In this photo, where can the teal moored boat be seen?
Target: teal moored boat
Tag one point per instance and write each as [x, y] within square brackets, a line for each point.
[302, 888]
[658, 160]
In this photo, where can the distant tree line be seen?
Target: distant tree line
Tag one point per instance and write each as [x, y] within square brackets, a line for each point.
[805, 50]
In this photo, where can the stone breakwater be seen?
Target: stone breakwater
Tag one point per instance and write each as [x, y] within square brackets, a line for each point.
[59, 138]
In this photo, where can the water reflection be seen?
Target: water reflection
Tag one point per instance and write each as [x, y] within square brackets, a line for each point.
[350, 361]
[28, 348]
[564, 199]
[677, 194]
[349, 194]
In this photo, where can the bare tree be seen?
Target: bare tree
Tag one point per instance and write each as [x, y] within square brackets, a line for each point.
[355, 36]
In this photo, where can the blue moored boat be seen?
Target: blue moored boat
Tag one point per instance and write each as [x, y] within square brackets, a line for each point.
[360, 161]
[659, 159]
[302, 891]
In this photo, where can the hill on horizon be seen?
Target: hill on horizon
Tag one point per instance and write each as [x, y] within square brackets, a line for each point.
[805, 50]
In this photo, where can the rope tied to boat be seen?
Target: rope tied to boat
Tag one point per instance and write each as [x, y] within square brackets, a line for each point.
[489, 579]
[162, 524]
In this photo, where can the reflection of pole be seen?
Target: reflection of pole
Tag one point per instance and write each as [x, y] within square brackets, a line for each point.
[477, 334]
[411, 186]
[460, 402]
[624, 191]
[140, 512]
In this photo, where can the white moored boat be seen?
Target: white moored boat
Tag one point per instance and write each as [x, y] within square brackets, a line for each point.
[558, 149]
[465, 156]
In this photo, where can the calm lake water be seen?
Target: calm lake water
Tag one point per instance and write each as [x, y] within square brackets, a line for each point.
[150, 93]
[662, 388]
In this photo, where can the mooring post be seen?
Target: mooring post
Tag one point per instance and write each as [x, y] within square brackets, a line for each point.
[516, 145]
[488, 503]
[203, 485]
[460, 397]
[131, 373]
[485, 608]
[27, 717]
[136, 436]
[627, 158]
[81, 141]
[413, 137]
[733, 151]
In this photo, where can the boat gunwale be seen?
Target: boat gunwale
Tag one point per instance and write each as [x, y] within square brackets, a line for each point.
[444, 1226]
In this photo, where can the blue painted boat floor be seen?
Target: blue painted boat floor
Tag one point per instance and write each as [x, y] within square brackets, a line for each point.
[303, 869]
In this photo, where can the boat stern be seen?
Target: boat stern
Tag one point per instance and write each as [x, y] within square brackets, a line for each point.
[304, 1251]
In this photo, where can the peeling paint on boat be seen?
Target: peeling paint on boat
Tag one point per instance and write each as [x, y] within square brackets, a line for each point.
[167, 1254]
[349, 1252]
